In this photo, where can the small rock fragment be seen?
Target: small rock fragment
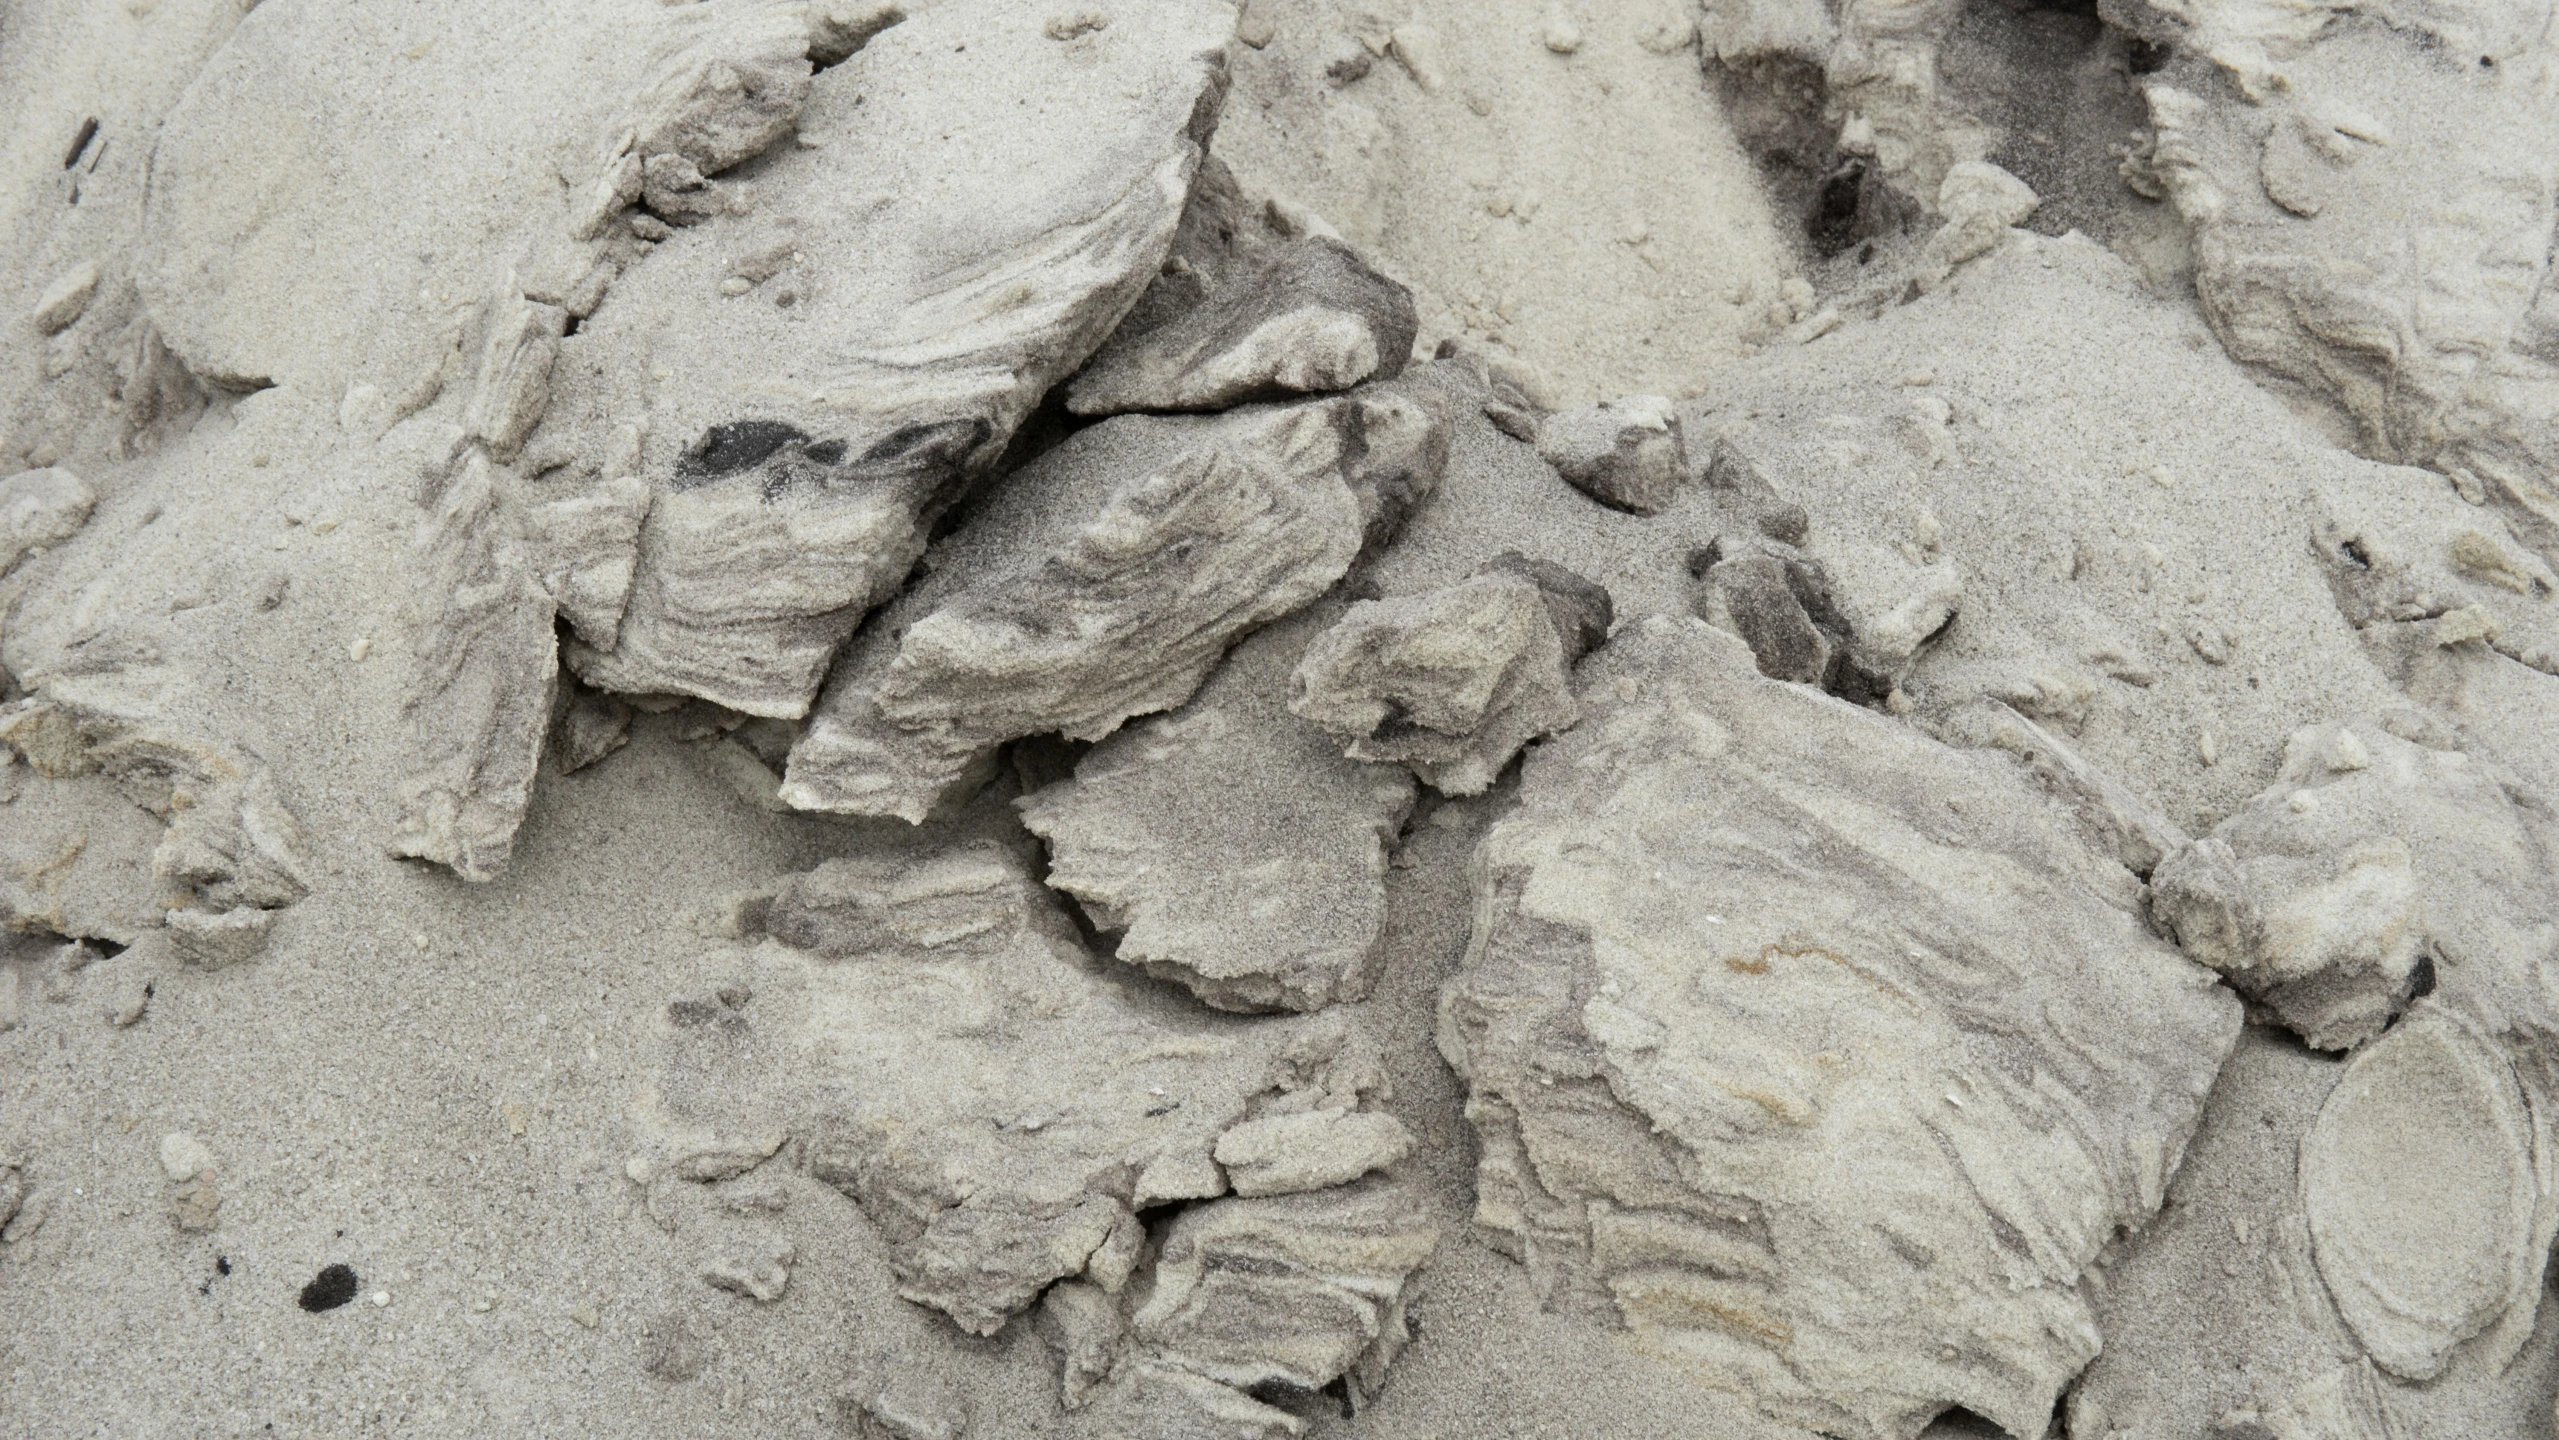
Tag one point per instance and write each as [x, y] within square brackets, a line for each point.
[1285, 1154]
[1416, 47]
[183, 1156]
[1084, 1325]
[727, 83]
[840, 28]
[912, 1402]
[593, 726]
[188, 1162]
[1068, 24]
[521, 343]
[1453, 683]
[215, 938]
[480, 696]
[1779, 600]
[1346, 61]
[590, 547]
[1257, 24]
[1286, 1294]
[669, 1350]
[1980, 202]
[66, 297]
[1626, 454]
[759, 1269]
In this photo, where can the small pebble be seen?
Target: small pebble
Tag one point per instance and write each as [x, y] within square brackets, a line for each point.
[361, 648]
[381, 1298]
[734, 285]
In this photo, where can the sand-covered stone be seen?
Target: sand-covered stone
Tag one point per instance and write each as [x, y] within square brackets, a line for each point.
[1103, 582]
[2290, 145]
[226, 839]
[2368, 856]
[1455, 681]
[2428, 1214]
[1844, 1133]
[1627, 454]
[40, 507]
[1230, 843]
[802, 447]
[1309, 1150]
[1247, 309]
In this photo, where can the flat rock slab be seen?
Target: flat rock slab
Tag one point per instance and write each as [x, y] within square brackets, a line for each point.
[1230, 843]
[1823, 1056]
[973, 207]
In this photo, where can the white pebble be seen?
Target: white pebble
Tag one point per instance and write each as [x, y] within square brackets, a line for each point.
[361, 648]
[381, 1298]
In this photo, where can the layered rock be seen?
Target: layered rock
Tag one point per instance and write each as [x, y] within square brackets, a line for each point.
[1454, 682]
[1248, 308]
[481, 685]
[802, 437]
[1103, 582]
[1230, 843]
[1255, 1306]
[1823, 1056]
